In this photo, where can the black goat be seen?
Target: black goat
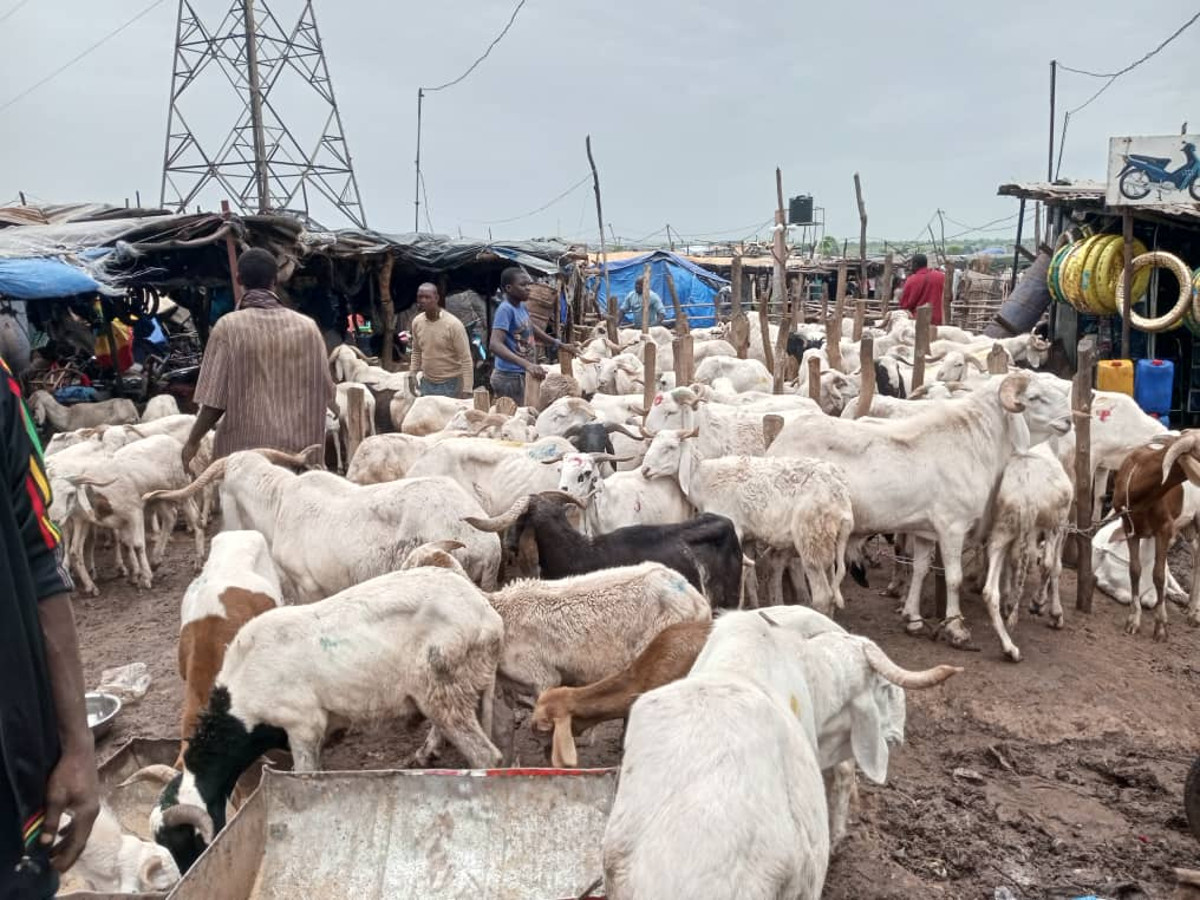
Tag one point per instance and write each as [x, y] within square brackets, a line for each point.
[705, 550]
[798, 345]
[593, 437]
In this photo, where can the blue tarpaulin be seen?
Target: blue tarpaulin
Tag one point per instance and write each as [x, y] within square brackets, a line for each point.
[43, 279]
[695, 286]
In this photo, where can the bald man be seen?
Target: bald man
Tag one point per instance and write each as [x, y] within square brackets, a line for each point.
[441, 351]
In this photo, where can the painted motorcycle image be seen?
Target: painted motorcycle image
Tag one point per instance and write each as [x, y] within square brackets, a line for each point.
[1143, 173]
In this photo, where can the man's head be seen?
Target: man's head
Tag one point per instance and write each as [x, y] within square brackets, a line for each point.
[515, 281]
[639, 284]
[257, 270]
[919, 262]
[427, 300]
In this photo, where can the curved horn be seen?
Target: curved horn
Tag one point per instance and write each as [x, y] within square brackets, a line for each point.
[1188, 443]
[77, 480]
[573, 431]
[646, 435]
[491, 420]
[974, 361]
[215, 472]
[690, 433]
[613, 346]
[610, 427]
[163, 774]
[279, 458]
[1012, 388]
[187, 814]
[879, 661]
[564, 497]
[505, 520]
[552, 461]
[919, 393]
[953, 386]
[610, 457]
[639, 410]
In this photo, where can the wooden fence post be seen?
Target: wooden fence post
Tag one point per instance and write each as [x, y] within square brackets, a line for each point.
[682, 325]
[739, 324]
[947, 293]
[921, 349]
[839, 306]
[684, 347]
[649, 388]
[883, 288]
[866, 363]
[860, 318]
[646, 298]
[482, 399]
[833, 342]
[814, 378]
[355, 432]
[1081, 402]
[389, 312]
[997, 360]
[862, 235]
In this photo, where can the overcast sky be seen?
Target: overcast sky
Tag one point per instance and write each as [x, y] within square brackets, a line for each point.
[690, 106]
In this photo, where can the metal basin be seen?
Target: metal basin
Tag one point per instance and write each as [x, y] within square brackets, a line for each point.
[102, 709]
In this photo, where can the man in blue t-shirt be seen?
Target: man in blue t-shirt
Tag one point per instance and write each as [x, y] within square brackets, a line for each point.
[512, 338]
[631, 307]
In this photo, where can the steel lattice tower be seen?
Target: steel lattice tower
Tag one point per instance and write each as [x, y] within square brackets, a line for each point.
[260, 164]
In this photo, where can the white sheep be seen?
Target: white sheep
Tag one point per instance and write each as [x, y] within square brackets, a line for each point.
[115, 862]
[746, 374]
[773, 705]
[623, 498]
[799, 505]
[159, 407]
[44, 407]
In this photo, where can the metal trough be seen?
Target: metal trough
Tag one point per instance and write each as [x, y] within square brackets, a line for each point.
[499, 834]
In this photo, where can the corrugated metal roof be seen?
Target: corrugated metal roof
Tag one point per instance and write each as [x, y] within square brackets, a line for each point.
[1091, 194]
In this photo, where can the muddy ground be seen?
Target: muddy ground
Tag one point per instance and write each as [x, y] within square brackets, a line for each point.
[1057, 777]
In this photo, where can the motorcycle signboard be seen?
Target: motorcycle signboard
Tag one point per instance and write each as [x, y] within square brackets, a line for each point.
[1153, 171]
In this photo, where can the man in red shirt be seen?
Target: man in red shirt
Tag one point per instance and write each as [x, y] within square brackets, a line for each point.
[924, 286]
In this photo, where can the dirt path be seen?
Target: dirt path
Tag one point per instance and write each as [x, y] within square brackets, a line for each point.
[1057, 777]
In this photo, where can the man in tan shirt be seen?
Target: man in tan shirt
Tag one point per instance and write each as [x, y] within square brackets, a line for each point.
[441, 351]
[265, 377]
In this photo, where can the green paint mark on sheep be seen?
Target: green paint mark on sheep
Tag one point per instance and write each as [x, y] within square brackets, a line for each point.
[328, 644]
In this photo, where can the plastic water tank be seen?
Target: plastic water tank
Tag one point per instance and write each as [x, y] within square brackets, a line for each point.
[1115, 375]
[1152, 387]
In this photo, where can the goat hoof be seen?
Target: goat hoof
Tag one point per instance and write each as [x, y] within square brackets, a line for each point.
[1056, 621]
[1193, 619]
[1013, 654]
[1037, 609]
[1160, 631]
[916, 626]
[1131, 627]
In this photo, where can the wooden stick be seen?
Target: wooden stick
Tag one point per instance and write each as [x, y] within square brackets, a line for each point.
[533, 391]
[482, 399]
[866, 364]
[646, 299]
[685, 359]
[355, 400]
[814, 378]
[1081, 402]
[833, 342]
[764, 325]
[921, 350]
[997, 361]
[682, 326]
[860, 317]
[612, 309]
[772, 425]
[839, 306]
[389, 311]
[947, 293]
[1127, 274]
[862, 235]
[735, 284]
[649, 388]
[885, 285]
[739, 325]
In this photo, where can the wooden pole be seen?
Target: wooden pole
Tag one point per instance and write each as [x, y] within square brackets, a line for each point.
[649, 388]
[862, 235]
[231, 252]
[1081, 402]
[564, 358]
[735, 284]
[355, 433]
[533, 391]
[883, 291]
[866, 365]
[612, 304]
[860, 318]
[921, 349]
[389, 312]
[682, 325]
[739, 325]
[646, 299]
[947, 293]
[839, 306]
[685, 359]
[764, 325]
[1127, 274]
[482, 399]
[814, 378]
[772, 425]
[997, 361]
[833, 342]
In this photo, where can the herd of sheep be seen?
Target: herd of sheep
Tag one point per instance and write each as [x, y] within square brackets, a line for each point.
[590, 552]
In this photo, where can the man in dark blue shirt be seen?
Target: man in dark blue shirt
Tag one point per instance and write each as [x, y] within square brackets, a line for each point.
[512, 341]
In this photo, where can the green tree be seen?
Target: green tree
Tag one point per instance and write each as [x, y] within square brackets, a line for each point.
[828, 246]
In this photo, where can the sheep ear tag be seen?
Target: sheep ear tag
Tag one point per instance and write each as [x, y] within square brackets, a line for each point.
[1191, 468]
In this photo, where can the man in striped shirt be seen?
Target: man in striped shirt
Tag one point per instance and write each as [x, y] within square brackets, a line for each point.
[47, 762]
[265, 378]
